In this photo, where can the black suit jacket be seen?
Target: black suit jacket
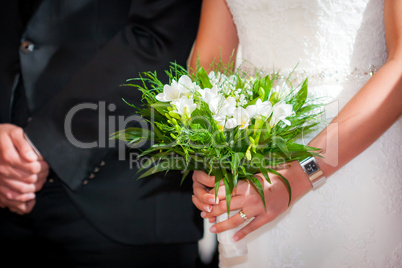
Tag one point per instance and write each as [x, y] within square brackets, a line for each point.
[79, 53]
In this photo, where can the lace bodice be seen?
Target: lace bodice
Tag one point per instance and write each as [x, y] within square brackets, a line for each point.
[320, 35]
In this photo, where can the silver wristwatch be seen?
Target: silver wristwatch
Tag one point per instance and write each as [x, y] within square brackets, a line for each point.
[313, 171]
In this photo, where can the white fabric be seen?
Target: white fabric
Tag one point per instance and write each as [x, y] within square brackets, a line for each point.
[355, 219]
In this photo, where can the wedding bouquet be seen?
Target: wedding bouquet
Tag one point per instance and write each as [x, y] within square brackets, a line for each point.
[229, 124]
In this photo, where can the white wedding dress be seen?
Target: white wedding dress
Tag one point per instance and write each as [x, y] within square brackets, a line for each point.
[355, 219]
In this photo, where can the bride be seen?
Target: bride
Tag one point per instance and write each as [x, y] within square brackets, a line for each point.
[352, 52]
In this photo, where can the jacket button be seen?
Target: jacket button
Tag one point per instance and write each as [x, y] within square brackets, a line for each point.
[27, 47]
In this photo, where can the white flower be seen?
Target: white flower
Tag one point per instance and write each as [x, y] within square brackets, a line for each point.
[231, 123]
[224, 83]
[208, 94]
[186, 83]
[185, 106]
[216, 103]
[222, 107]
[228, 106]
[220, 120]
[263, 108]
[217, 78]
[241, 117]
[282, 89]
[242, 99]
[279, 113]
[177, 89]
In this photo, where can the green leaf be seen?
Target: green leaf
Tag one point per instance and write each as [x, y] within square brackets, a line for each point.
[218, 177]
[161, 107]
[281, 144]
[204, 79]
[236, 159]
[285, 181]
[306, 109]
[261, 166]
[266, 85]
[256, 89]
[259, 188]
[185, 173]
[228, 182]
[132, 135]
[165, 164]
[301, 96]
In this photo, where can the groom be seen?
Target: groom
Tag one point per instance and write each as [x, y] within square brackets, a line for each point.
[68, 195]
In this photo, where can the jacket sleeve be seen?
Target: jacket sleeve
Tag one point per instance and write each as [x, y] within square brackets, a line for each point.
[158, 32]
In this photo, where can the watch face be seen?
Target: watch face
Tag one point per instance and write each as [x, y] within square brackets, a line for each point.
[311, 167]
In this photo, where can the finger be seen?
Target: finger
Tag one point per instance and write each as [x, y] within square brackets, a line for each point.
[41, 180]
[16, 186]
[20, 208]
[241, 188]
[200, 205]
[236, 203]
[8, 153]
[221, 192]
[203, 194]
[252, 226]
[14, 196]
[22, 145]
[228, 224]
[204, 178]
[26, 207]
[36, 167]
[12, 165]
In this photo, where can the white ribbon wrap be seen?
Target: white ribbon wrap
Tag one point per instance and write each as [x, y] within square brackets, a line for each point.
[227, 247]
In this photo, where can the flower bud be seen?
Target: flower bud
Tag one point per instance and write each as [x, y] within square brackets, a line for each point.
[248, 153]
[174, 115]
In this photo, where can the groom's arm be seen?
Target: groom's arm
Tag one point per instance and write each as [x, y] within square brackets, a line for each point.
[158, 32]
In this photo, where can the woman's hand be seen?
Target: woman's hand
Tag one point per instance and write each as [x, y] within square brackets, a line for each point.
[246, 198]
[204, 197]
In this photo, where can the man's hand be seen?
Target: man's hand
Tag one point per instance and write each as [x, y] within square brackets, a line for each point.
[22, 171]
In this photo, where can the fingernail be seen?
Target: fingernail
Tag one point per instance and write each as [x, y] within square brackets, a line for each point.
[213, 229]
[235, 238]
[31, 155]
[212, 201]
[208, 208]
[203, 214]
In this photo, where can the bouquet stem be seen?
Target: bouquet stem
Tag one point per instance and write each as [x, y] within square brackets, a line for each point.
[227, 247]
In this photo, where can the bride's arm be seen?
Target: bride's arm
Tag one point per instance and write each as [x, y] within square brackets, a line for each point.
[217, 36]
[374, 108]
[368, 115]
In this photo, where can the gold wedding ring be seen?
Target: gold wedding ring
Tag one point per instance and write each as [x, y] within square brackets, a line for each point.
[243, 215]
